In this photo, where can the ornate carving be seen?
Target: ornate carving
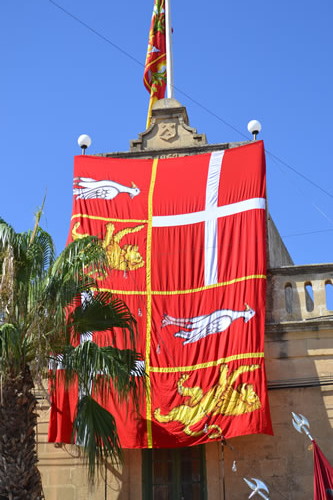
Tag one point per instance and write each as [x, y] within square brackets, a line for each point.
[169, 129]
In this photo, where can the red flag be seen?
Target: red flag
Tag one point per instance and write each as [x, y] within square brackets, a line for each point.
[186, 244]
[323, 475]
[155, 66]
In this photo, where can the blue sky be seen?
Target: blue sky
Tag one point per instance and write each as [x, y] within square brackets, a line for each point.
[233, 62]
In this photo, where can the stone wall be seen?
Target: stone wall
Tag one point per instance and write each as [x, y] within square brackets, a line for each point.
[64, 475]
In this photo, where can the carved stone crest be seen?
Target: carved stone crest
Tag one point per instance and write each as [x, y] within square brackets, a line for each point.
[167, 131]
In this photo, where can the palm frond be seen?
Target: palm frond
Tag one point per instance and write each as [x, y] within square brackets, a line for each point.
[41, 251]
[18, 247]
[7, 233]
[102, 311]
[65, 291]
[95, 430]
[11, 348]
[96, 366]
[38, 216]
[79, 257]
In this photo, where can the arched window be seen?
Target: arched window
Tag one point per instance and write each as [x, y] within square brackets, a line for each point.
[309, 298]
[329, 295]
[288, 297]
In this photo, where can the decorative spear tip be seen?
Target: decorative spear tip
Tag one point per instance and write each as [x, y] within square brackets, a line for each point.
[258, 487]
[301, 424]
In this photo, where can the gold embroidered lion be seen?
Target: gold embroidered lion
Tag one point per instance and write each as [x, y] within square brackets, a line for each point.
[121, 258]
[221, 399]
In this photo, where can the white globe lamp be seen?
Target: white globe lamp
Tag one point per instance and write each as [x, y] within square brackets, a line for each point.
[84, 141]
[254, 127]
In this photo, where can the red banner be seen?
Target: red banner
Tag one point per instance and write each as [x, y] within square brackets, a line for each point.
[186, 243]
[154, 76]
[323, 475]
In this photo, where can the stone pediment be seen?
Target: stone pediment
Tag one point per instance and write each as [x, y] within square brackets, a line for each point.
[169, 129]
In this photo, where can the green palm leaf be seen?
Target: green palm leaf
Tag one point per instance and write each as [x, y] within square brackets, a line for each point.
[88, 361]
[95, 430]
[101, 312]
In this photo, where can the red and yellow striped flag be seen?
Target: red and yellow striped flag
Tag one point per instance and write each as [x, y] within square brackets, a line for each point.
[155, 67]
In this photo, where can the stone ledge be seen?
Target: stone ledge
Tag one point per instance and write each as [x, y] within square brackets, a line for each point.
[303, 326]
[173, 152]
[304, 269]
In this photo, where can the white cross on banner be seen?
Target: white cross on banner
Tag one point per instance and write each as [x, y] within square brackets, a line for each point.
[210, 215]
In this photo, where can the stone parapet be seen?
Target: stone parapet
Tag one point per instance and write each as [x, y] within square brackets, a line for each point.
[299, 294]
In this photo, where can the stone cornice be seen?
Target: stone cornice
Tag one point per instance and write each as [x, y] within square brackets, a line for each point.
[304, 326]
[174, 152]
[304, 269]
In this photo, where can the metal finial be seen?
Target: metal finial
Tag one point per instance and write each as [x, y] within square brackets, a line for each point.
[301, 424]
[258, 487]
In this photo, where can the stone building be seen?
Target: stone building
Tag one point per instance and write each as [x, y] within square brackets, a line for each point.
[299, 353]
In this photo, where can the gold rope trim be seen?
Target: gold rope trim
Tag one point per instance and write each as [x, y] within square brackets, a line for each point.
[209, 364]
[183, 292]
[97, 217]
[149, 302]
[208, 287]
[121, 292]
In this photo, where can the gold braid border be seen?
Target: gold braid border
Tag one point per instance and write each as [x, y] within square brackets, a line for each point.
[149, 303]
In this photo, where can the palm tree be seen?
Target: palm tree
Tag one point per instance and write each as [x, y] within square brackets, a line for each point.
[41, 311]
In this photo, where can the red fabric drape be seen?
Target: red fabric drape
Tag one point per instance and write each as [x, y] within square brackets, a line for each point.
[323, 475]
[186, 243]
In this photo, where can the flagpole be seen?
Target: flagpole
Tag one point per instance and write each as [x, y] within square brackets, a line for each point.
[168, 43]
